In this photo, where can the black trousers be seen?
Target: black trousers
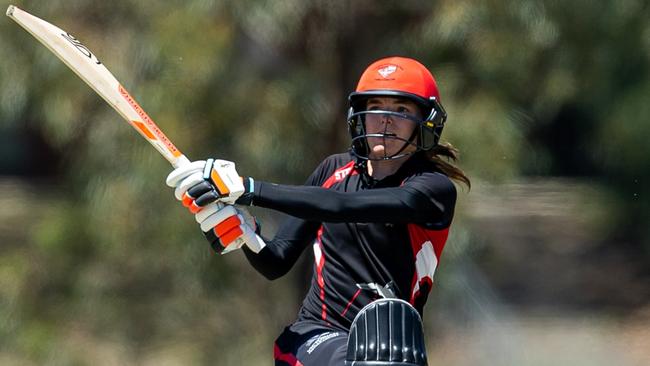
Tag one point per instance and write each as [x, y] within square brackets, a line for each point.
[310, 345]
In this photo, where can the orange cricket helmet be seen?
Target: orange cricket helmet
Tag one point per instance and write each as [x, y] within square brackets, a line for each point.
[403, 78]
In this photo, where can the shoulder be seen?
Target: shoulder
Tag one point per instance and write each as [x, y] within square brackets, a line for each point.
[329, 166]
[339, 160]
[336, 161]
[431, 182]
[436, 188]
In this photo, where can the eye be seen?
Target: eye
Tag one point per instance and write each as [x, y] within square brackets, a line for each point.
[373, 107]
[404, 110]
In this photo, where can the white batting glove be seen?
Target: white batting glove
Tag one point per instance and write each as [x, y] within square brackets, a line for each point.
[228, 228]
[205, 181]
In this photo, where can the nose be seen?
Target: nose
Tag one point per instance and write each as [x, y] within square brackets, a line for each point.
[386, 119]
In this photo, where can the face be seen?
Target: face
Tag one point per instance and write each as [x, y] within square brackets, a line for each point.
[394, 130]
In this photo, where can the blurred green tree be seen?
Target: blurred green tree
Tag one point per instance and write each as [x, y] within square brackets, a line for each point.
[108, 258]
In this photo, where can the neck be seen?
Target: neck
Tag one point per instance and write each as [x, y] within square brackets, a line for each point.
[380, 169]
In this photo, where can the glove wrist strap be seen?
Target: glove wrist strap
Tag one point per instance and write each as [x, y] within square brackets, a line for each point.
[246, 199]
[207, 169]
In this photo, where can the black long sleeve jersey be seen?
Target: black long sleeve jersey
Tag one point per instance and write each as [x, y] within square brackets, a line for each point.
[364, 233]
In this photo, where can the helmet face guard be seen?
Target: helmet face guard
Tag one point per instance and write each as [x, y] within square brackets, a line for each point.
[426, 131]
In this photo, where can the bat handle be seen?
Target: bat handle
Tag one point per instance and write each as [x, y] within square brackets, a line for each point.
[180, 161]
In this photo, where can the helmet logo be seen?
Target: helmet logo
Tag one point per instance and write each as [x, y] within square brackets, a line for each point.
[387, 70]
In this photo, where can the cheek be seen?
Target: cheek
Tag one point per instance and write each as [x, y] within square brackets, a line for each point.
[373, 124]
[405, 129]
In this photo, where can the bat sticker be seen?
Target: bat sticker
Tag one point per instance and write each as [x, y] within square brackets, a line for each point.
[83, 49]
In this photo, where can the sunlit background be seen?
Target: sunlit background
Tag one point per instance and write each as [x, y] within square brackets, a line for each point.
[549, 102]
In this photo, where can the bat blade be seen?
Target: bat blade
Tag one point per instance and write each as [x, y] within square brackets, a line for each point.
[88, 67]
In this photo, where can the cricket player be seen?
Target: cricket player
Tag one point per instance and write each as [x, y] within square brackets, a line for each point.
[376, 217]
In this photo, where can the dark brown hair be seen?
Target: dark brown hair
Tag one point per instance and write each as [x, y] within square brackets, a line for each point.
[442, 155]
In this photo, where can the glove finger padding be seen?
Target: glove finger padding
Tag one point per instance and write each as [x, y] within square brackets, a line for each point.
[187, 183]
[234, 239]
[227, 229]
[203, 194]
[180, 173]
[207, 198]
[228, 235]
[208, 211]
[253, 241]
[216, 217]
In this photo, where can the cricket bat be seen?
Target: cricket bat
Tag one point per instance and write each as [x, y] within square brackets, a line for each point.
[85, 64]
[88, 67]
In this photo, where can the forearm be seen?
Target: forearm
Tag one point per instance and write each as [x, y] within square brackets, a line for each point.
[282, 252]
[378, 205]
[267, 262]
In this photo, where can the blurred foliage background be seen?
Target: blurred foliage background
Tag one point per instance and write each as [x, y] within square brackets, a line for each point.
[548, 262]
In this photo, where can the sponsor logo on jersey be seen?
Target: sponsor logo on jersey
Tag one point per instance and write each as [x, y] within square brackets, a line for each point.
[341, 174]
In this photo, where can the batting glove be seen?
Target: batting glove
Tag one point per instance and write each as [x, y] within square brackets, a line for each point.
[228, 228]
[202, 182]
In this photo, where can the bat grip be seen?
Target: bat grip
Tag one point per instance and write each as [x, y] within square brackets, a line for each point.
[181, 161]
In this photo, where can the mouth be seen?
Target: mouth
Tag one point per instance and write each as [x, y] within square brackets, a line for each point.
[384, 134]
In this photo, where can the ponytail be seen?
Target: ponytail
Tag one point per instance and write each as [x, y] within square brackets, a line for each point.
[450, 153]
